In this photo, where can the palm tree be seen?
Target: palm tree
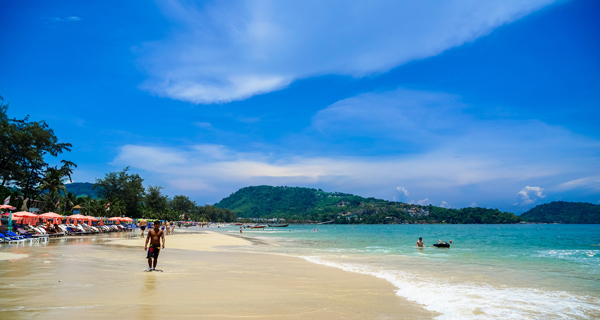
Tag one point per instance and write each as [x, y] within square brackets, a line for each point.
[54, 181]
[69, 200]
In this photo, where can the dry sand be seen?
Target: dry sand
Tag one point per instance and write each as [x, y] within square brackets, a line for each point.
[86, 278]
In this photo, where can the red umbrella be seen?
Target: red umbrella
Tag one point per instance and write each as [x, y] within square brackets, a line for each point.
[5, 206]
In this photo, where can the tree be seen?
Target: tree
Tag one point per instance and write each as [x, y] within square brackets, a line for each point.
[54, 181]
[24, 146]
[155, 201]
[122, 187]
[182, 205]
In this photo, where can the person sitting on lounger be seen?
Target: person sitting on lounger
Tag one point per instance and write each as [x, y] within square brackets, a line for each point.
[154, 235]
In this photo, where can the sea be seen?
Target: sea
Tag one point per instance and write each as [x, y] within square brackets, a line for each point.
[523, 271]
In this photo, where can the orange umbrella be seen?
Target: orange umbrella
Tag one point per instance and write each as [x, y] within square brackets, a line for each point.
[76, 217]
[92, 219]
[51, 215]
[117, 219]
[27, 216]
[24, 214]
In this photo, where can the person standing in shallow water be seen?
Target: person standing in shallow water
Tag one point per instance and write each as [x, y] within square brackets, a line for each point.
[154, 235]
[420, 243]
[143, 224]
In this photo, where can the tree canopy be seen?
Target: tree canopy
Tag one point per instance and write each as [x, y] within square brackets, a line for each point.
[24, 148]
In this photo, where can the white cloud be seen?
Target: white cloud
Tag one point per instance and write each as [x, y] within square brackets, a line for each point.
[423, 202]
[529, 195]
[67, 19]
[473, 204]
[463, 158]
[232, 50]
[402, 190]
[444, 204]
[592, 183]
[203, 125]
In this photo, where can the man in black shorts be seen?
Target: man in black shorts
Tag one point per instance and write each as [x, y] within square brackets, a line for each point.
[143, 224]
[154, 235]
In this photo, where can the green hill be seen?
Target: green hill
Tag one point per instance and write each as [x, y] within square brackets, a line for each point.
[564, 212]
[305, 204]
[82, 189]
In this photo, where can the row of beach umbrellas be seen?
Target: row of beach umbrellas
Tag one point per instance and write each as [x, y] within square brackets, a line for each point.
[28, 217]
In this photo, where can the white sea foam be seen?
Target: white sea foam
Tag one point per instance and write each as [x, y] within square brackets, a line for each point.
[589, 258]
[473, 301]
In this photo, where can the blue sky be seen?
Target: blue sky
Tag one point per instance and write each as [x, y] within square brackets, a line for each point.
[459, 103]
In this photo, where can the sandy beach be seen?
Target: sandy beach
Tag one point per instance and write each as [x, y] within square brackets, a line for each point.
[98, 277]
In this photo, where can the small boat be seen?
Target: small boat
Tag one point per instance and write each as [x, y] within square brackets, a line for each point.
[239, 224]
[278, 225]
[257, 227]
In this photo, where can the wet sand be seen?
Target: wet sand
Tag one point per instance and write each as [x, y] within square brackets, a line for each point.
[98, 278]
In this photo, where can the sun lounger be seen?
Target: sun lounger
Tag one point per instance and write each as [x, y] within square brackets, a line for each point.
[22, 236]
[10, 239]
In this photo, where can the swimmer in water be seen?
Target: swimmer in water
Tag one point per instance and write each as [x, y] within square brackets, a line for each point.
[420, 243]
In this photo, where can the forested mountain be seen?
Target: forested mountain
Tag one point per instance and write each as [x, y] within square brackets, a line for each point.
[82, 189]
[564, 212]
[305, 204]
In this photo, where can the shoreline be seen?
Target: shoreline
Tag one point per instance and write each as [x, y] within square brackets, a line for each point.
[103, 279]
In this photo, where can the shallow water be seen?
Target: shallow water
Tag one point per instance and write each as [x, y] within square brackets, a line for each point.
[491, 271]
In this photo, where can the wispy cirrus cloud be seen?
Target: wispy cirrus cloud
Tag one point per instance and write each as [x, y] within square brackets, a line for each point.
[225, 51]
[65, 19]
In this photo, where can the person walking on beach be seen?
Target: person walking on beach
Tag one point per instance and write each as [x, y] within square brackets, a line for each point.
[172, 227]
[154, 235]
[420, 243]
[143, 224]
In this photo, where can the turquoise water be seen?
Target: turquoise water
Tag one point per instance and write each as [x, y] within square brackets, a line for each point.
[490, 272]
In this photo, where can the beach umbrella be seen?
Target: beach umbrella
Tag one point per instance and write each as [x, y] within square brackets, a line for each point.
[24, 214]
[7, 207]
[51, 215]
[76, 217]
[117, 219]
[27, 216]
